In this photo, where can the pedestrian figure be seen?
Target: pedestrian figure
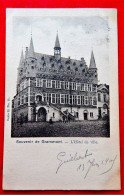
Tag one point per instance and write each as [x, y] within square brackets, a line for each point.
[50, 121]
[63, 118]
[69, 118]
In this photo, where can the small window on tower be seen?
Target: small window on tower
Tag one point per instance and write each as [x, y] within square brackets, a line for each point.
[52, 66]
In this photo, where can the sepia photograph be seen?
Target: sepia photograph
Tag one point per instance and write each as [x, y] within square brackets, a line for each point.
[62, 77]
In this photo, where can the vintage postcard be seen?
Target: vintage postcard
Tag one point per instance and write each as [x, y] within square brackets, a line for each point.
[61, 100]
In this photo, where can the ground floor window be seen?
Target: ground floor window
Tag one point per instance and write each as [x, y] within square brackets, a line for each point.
[91, 114]
[77, 114]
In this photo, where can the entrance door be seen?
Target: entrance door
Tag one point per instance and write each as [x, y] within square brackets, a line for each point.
[99, 112]
[42, 114]
[85, 116]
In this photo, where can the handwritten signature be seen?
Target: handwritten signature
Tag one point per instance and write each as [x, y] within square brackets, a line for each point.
[86, 162]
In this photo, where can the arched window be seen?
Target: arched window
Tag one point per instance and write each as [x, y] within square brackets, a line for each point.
[99, 97]
[39, 98]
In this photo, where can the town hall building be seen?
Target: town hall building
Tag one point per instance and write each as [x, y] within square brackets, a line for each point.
[52, 86]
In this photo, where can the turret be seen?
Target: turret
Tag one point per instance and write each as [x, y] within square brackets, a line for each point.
[57, 49]
[21, 59]
[26, 52]
[93, 69]
[31, 49]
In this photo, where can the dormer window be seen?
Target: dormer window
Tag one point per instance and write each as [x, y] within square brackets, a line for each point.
[51, 59]
[52, 66]
[61, 67]
[42, 58]
[44, 64]
[74, 63]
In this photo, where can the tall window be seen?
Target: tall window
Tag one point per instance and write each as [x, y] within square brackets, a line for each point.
[82, 87]
[94, 88]
[18, 101]
[22, 99]
[78, 86]
[86, 100]
[78, 99]
[58, 98]
[99, 97]
[94, 101]
[45, 97]
[104, 96]
[44, 83]
[53, 98]
[82, 100]
[26, 98]
[77, 114]
[74, 99]
[89, 87]
[62, 84]
[39, 82]
[62, 98]
[85, 87]
[49, 84]
[53, 84]
[70, 100]
[49, 98]
[66, 99]
[58, 86]
[66, 85]
[90, 100]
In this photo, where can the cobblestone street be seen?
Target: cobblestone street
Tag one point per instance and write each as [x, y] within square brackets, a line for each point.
[99, 128]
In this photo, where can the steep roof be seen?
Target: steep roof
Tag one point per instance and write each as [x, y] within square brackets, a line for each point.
[57, 43]
[21, 59]
[92, 61]
[31, 48]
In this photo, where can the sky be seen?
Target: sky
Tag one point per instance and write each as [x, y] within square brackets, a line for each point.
[78, 36]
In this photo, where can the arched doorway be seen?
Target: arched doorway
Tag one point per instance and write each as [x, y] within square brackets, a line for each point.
[42, 114]
[85, 115]
[105, 108]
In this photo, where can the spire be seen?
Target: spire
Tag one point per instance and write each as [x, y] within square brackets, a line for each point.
[22, 58]
[57, 44]
[31, 48]
[92, 61]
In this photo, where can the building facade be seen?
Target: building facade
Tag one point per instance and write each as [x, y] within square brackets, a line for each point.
[53, 87]
[103, 100]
